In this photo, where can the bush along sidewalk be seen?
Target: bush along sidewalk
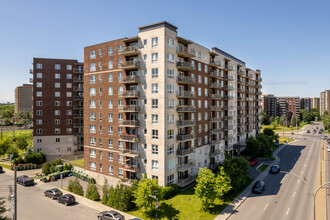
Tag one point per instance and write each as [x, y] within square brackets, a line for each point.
[75, 187]
[83, 177]
[92, 192]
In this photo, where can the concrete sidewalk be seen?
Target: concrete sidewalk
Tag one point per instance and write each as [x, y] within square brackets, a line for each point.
[321, 197]
[231, 208]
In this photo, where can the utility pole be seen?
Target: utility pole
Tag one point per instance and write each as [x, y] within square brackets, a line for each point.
[15, 195]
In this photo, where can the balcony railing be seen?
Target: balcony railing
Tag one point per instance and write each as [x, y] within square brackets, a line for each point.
[78, 97]
[129, 94]
[184, 152]
[185, 80]
[185, 66]
[229, 78]
[228, 117]
[128, 108]
[185, 123]
[77, 88]
[215, 108]
[227, 87]
[78, 133]
[78, 107]
[185, 52]
[78, 79]
[215, 85]
[129, 79]
[129, 123]
[78, 125]
[213, 73]
[259, 86]
[249, 75]
[186, 166]
[129, 51]
[185, 137]
[78, 70]
[129, 152]
[129, 138]
[215, 63]
[186, 94]
[216, 96]
[215, 119]
[128, 167]
[241, 72]
[186, 181]
[129, 65]
[215, 153]
[78, 143]
[78, 115]
[216, 130]
[229, 67]
[185, 108]
[228, 97]
[259, 79]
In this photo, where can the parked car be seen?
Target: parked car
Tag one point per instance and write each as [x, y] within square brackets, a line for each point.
[53, 193]
[314, 131]
[253, 161]
[259, 187]
[110, 215]
[308, 131]
[1, 169]
[328, 149]
[320, 132]
[24, 180]
[67, 199]
[274, 169]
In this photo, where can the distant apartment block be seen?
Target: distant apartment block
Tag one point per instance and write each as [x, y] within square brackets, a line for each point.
[316, 103]
[23, 98]
[324, 101]
[269, 105]
[306, 103]
[162, 105]
[58, 106]
[289, 106]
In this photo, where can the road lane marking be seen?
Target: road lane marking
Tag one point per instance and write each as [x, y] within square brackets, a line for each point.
[287, 212]
[266, 206]
[294, 194]
[298, 181]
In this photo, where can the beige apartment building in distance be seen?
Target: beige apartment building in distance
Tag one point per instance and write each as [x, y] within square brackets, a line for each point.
[324, 101]
[23, 98]
[316, 103]
[162, 105]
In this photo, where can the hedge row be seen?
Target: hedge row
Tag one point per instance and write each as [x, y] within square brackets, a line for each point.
[83, 177]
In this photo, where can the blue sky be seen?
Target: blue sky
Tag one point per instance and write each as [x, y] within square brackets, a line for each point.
[288, 40]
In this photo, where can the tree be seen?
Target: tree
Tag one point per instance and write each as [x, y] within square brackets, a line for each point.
[4, 145]
[264, 119]
[294, 120]
[266, 144]
[253, 146]
[21, 142]
[283, 120]
[277, 120]
[75, 187]
[210, 187]
[145, 188]
[12, 150]
[92, 192]
[237, 170]
[105, 192]
[272, 119]
[316, 113]
[3, 209]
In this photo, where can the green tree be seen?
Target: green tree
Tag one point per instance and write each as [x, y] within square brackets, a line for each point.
[75, 187]
[21, 142]
[294, 120]
[3, 209]
[277, 120]
[145, 188]
[211, 187]
[105, 192]
[282, 121]
[253, 146]
[12, 150]
[264, 119]
[237, 170]
[4, 145]
[272, 119]
[316, 113]
[266, 144]
[92, 192]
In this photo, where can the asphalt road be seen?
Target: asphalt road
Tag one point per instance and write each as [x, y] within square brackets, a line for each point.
[32, 204]
[286, 196]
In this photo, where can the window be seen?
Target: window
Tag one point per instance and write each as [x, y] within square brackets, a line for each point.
[92, 165]
[68, 121]
[57, 130]
[68, 67]
[38, 103]
[199, 79]
[145, 42]
[68, 76]
[39, 131]
[110, 77]
[57, 112]
[92, 67]
[154, 42]
[205, 116]
[110, 104]
[69, 85]
[170, 119]
[39, 94]
[39, 112]
[110, 130]
[170, 88]
[39, 66]
[39, 140]
[110, 90]
[154, 134]
[154, 119]
[100, 52]
[57, 140]
[92, 141]
[110, 51]
[170, 134]
[154, 57]
[200, 54]
[101, 168]
[154, 88]
[170, 42]
[57, 85]
[110, 64]
[120, 47]
[170, 149]
[154, 149]
[110, 117]
[199, 116]
[57, 149]
[205, 104]
[170, 103]
[154, 103]
[205, 92]
[154, 177]
[68, 103]
[92, 104]
[92, 128]
[170, 179]
[92, 79]
[57, 76]
[110, 170]
[199, 91]
[154, 72]
[170, 74]
[68, 94]
[205, 68]
[100, 65]
[170, 164]
[39, 84]
[205, 128]
[145, 57]
[110, 156]
[57, 66]
[205, 80]
[154, 164]
[39, 122]
[170, 58]
[92, 54]
[57, 121]
[39, 75]
[92, 116]
[57, 94]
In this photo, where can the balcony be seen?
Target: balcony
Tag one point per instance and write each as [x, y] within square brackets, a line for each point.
[184, 152]
[228, 97]
[78, 134]
[228, 107]
[216, 96]
[129, 138]
[215, 85]
[229, 67]
[129, 65]
[129, 80]
[185, 80]
[259, 93]
[78, 143]
[78, 107]
[128, 108]
[215, 119]
[186, 181]
[129, 123]
[241, 133]
[216, 74]
[259, 86]
[227, 87]
[215, 63]
[78, 125]
[229, 148]
[215, 130]
[186, 94]
[185, 108]
[215, 108]
[78, 79]
[77, 88]
[78, 97]
[129, 153]
[241, 72]
[185, 52]
[186, 166]
[228, 117]
[129, 94]
[240, 81]
[184, 66]
[259, 79]
[215, 153]
[228, 137]
[185, 137]
[229, 78]
[78, 70]
[129, 51]
[229, 127]
[78, 116]
[185, 123]
[128, 167]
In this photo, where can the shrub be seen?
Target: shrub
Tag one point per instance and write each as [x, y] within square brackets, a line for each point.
[46, 168]
[75, 187]
[105, 192]
[18, 160]
[171, 191]
[92, 192]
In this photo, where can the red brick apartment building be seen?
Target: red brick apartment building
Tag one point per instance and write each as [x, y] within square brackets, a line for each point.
[58, 106]
[165, 106]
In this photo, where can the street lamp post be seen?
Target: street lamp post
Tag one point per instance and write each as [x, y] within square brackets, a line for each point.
[155, 198]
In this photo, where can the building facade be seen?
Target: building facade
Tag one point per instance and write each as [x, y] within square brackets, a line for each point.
[162, 105]
[324, 101]
[289, 106]
[269, 105]
[316, 103]
[23, 98]
[306, 103]
[58, 106]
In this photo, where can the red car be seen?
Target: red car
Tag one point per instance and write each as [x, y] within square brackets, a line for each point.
[253, 161]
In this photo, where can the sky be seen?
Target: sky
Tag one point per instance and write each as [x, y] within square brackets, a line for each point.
[289, 41]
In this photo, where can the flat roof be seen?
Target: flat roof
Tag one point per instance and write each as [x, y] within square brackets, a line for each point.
[228, 55]
[158, 25]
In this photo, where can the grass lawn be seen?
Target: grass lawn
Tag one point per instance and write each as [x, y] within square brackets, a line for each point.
[186, 205]
[263, 167]
[282, 140]
[10, 134]
[5, 166]
[283, 128]
[78, 163]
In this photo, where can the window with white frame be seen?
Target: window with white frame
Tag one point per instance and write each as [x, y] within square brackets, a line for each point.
[170, 73]
[39, 85]
[199, 91]
[39, 75]
[57, 121]
[110, 130]
[100, 52]
[39, 66]
[199, 116]
[92, 165]
[39, 94]
[110, 170]
[170, 58]
[69, 76]
[170, 134]
[57, 66]
[199, 103]
[39, 131]
[110, 77]
[154, 149]
[170, 103]
[154, 134]
[154, 119]
[205, 104]
[170, 119]
[92, 54]
[39, 122]
[206, 139]
[154, 72]
[92, 141]
[170, 164]
[68, 103]
[154, 103]
[110, 117]
[92, 104]
[199, 79]
[110, 90]
[57, 94]
[170, 42]
[57, 76]
[170, 149]
[154, 42]
[170, 179]
[154, 57]
[57, 130]
[110, 64]
[92, 116]
[92, 128]
[206, 127]
[68, 94]
[110, 143]
[57, 112]
[100, 65]
[69, 85]
[205, 69]
[154, 87]
[200, 54]
[92, 79]
[154, 165]
[205, 92]
[110, 104]
[92, 67]
[39, 112]
[69, 121]
[199, 67]
[199, 142]
[206, 116]
[110, 156]
[110, 51]
[170, 88]
[68, 67]
[38, 103]
[205, 80]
